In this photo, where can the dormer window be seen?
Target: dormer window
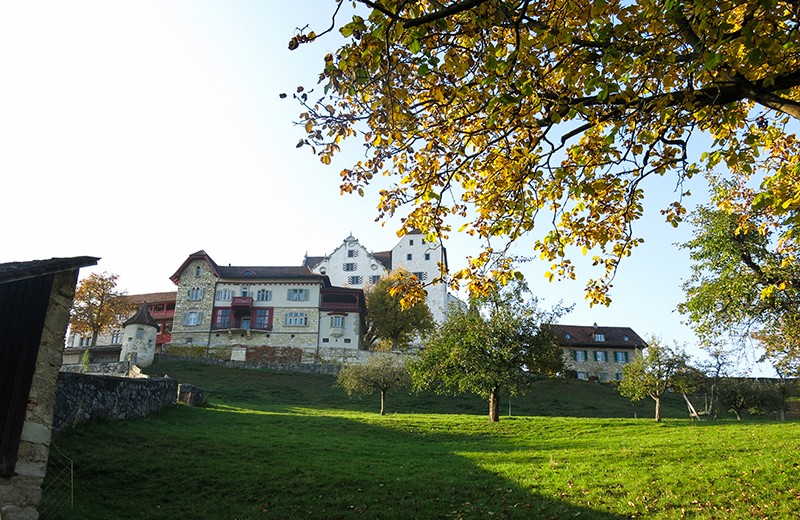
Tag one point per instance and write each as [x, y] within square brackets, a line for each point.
[599, 336]
[568, 336]
[625, 338]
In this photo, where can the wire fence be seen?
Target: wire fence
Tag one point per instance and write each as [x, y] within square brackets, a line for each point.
[57, 488]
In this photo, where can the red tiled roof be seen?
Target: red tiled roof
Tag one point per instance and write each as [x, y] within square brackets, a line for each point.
[583, 336]
[157, 297]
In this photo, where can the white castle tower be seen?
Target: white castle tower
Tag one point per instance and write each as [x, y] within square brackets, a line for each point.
[139, 338]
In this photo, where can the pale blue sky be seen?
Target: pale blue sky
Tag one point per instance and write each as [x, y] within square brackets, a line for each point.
[142, 131]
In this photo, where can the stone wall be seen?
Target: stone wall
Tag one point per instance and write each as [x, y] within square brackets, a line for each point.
[84, 397]
[304, 368]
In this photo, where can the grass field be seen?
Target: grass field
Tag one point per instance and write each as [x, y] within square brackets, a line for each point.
[290, 446]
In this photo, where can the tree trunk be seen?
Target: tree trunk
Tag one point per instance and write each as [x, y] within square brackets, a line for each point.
[658, 408]
[494, 404]
[383, 402]
[95, 333]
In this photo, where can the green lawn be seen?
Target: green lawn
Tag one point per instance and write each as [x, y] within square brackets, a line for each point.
[290, 446]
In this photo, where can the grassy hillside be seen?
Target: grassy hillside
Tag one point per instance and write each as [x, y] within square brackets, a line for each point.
[289, 446]
[548, 397]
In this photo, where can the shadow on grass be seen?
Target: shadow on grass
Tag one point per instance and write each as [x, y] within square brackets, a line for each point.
[225, 463]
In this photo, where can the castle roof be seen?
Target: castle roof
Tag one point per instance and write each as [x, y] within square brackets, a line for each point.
[142, 317]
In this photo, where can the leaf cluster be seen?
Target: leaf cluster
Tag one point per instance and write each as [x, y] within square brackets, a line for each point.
[745, 285]
[98, 307]
[658, 370]
[396, 312]
[498, 341]
[503, 114]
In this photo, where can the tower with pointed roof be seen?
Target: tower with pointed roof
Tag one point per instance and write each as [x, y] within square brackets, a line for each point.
[139, 338]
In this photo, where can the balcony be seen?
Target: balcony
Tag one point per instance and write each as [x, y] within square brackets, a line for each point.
[242, 302]
[164, 337]
[163, 314]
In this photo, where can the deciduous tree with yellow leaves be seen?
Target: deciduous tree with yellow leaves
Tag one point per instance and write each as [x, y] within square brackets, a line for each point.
[496, 116]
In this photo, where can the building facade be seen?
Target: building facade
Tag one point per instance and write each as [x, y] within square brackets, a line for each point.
[353, 265]
[161, 307]
[598, 353]
[246, 307]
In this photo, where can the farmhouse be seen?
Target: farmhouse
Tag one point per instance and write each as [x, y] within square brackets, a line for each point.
[595, 352]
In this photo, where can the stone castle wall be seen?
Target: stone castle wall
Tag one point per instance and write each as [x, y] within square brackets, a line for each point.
[85, 397]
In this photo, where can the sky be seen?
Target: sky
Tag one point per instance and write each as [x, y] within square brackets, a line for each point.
[143, 131]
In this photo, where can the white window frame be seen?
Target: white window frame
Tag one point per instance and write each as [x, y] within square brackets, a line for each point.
[224, 295]
[264, 295]
[195, 293]
[298, 295]
[621, 357]
[355, 280]
[193, 318]
[337, 322]
[349, 267]
[295, 319]
[601, 356]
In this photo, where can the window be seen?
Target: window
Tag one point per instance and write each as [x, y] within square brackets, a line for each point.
[600, 356]
[409, 256]
[192, 318]
[264, 295]
[245, 291]
[421, 275]
[295, 319]
[195, 293]
[583, 375]
[349, 266]
[602, 376]
[352, 253]
[427, 256]
[347, 340]
[580, 355]
[618, 376]
[139, 333]
[262, 319]
[297, 295]
[116, 337]
[245, 324]
[222, 319]
[337, 322]
[621, 357]
[411, 242]
[197, 270]
[355, 280]
[86, 342]
[375, 278]
[224, 295]
[599, 336]
[326, 340]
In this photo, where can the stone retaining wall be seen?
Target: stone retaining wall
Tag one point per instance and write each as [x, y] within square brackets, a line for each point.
[84, 397]
[305, 368]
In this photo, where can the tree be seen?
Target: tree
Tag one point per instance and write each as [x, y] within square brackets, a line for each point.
[98, 307]
[382, 372]
[659, 370]
[745, 286]
[496, 343]
[388, 319]
[507, 113]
